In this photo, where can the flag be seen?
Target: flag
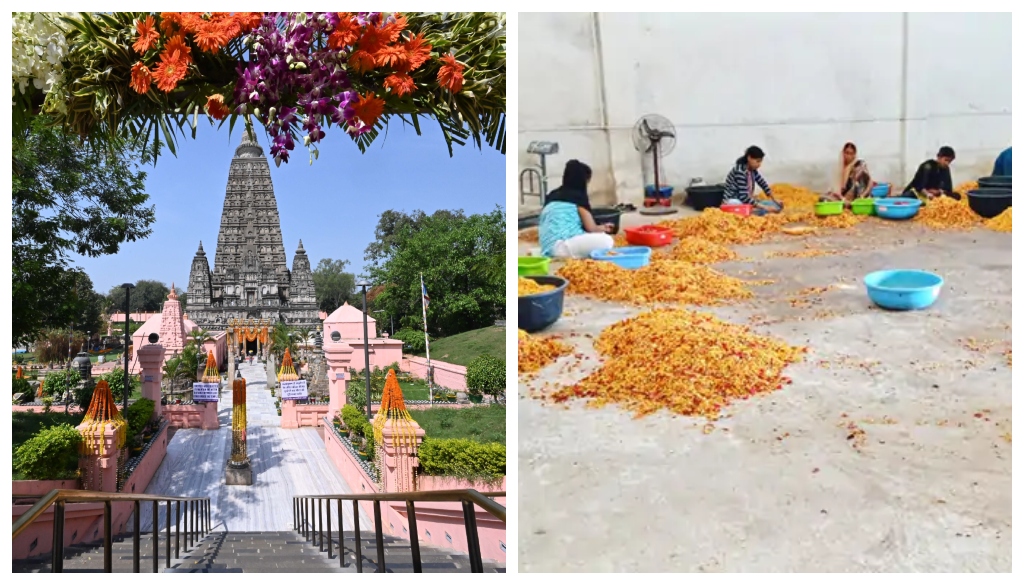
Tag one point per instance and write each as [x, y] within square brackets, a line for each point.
[426, 297]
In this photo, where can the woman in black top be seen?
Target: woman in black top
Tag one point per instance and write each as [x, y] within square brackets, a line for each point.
[933, 178]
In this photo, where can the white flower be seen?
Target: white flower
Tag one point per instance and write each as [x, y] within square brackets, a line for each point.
[39, 46]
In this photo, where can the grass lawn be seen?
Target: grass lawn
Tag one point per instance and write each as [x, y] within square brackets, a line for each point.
[483, 423]
[463, 348]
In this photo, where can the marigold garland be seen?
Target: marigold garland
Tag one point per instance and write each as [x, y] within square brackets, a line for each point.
[287, 372]
[392, 408]
[211, 374]
[102, 411]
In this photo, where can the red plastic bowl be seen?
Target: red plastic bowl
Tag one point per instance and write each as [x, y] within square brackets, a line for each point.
[649, 235]
[743, 210]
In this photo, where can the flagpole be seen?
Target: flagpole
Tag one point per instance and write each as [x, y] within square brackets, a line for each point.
[426, 337]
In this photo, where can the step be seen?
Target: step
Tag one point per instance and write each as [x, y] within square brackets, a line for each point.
[88, 558]
[398, 555]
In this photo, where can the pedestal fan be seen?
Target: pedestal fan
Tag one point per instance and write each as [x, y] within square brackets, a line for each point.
[654, 136]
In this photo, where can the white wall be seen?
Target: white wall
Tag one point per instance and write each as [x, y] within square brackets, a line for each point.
[798, 85]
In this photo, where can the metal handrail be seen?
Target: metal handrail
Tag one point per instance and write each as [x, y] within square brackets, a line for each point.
[305, 519]
[197, 516]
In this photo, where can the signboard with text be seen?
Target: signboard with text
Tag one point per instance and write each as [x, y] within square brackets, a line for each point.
[205, 391]
[294, 390]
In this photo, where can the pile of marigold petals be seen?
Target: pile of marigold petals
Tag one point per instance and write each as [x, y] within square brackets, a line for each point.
[795, 197]
[948, 213]
[689, 363]
[529, 286]
[963, 188]
[1002, 222]
[661, 281]
[701, 251]
[716, 225]
[537, 352]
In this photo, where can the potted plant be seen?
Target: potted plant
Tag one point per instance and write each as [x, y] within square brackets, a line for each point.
[135, 445]
[475, 396]
[362, 450]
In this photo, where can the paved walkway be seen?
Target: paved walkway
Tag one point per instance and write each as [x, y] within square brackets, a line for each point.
[286, 462]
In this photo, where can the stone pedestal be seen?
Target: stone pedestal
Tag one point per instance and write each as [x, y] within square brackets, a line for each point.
[99, 465]
[151, 360]
[338, 357]
[238, 475]
[401, 444]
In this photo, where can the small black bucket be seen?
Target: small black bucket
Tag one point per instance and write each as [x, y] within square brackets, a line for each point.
[704, 196]
[607, 215]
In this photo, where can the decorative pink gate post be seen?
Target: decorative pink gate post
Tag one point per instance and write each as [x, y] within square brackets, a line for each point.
[401, 445]
[338, 356]
[103, 438]
[151, 360]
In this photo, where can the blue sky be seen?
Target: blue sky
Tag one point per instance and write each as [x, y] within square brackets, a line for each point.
[333, 205]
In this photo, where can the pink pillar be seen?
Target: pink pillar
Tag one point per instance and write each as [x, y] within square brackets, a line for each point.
[151, 361]
[339, 358]
[400, 456]
[99, 465]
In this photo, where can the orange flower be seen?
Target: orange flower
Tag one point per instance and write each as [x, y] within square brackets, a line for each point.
[417, 52]
[177, 50]
[391, 55]
[248, 20]
[400, 83]
[215, 107]
[346, 33]
[361, 61]
[147, 35]
[169, 22]
[368, 108]
[169, 72]
[141, 78]
[211, 37]
[393, 31]
[450, 75]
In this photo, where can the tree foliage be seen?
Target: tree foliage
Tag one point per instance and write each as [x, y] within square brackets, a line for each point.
[456, 255]
[334, 286]
[148, 296]
[67, 197]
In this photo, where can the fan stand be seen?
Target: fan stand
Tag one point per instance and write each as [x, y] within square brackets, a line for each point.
[657, 209]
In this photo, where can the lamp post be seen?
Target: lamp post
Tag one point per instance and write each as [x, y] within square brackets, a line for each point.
[366, 346]
[127, 320]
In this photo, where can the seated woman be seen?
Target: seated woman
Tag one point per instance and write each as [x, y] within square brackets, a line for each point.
[933, 178]
[854, 180]
[741, 181]
[567, 228]
[1004, 164]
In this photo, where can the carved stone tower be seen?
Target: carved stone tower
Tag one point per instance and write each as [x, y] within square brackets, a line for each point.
[250, 277]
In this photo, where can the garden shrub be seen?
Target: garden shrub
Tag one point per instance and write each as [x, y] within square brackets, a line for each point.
[413, 339]
[486, 374]
[368, 436]
[21, 385]
[462, 458]
[115, 378]
[52, 453]
[57, 383]
[138, 416]
[353, 418]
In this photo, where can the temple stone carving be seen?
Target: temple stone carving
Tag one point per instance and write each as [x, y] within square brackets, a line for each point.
[250, 278]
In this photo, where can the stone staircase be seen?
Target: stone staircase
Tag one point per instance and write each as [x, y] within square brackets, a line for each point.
[257, 552]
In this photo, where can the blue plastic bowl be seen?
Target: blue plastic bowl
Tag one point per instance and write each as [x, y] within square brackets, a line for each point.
[903, 290]
[665, 192]
[540, 311]
[631, 257]
[897, 207]
[880, 190]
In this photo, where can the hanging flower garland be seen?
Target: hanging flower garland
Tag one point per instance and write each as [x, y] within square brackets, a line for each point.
[147, 76]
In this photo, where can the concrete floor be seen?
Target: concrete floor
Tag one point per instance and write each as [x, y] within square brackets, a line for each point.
[777, 485]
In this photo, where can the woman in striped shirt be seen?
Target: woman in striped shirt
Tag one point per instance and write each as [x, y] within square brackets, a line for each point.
[740, 184]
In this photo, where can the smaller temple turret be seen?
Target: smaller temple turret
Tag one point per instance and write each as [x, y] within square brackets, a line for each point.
[199, 293]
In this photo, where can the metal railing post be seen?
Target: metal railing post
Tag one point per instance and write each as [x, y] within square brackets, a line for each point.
[177, 529]
[378, 526]
[135, 537]
[320, 521]
[472, 537]
[108, 548]
[341, 535]
[329, 545]
[156, 538]
[167, 547]
[57, 562]
[414, 538]
[359, 548]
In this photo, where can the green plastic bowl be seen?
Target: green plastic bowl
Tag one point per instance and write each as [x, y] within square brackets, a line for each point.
[829, 208]
[864, 206]
[533, 266]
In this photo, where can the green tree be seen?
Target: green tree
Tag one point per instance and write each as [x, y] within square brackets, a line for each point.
[67, 197]
[456, 254]
[283, 337]
[333, 285]
[148, 296]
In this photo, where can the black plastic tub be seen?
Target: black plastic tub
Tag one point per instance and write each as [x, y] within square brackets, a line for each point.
[704, 196]
[540, 311]
[989, 203]
[607, 215]
[996, 182]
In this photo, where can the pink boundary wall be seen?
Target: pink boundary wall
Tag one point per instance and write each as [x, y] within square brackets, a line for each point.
[447, 375]
[83, 522]
[437, 519]
[295, 415]
[192, 416]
